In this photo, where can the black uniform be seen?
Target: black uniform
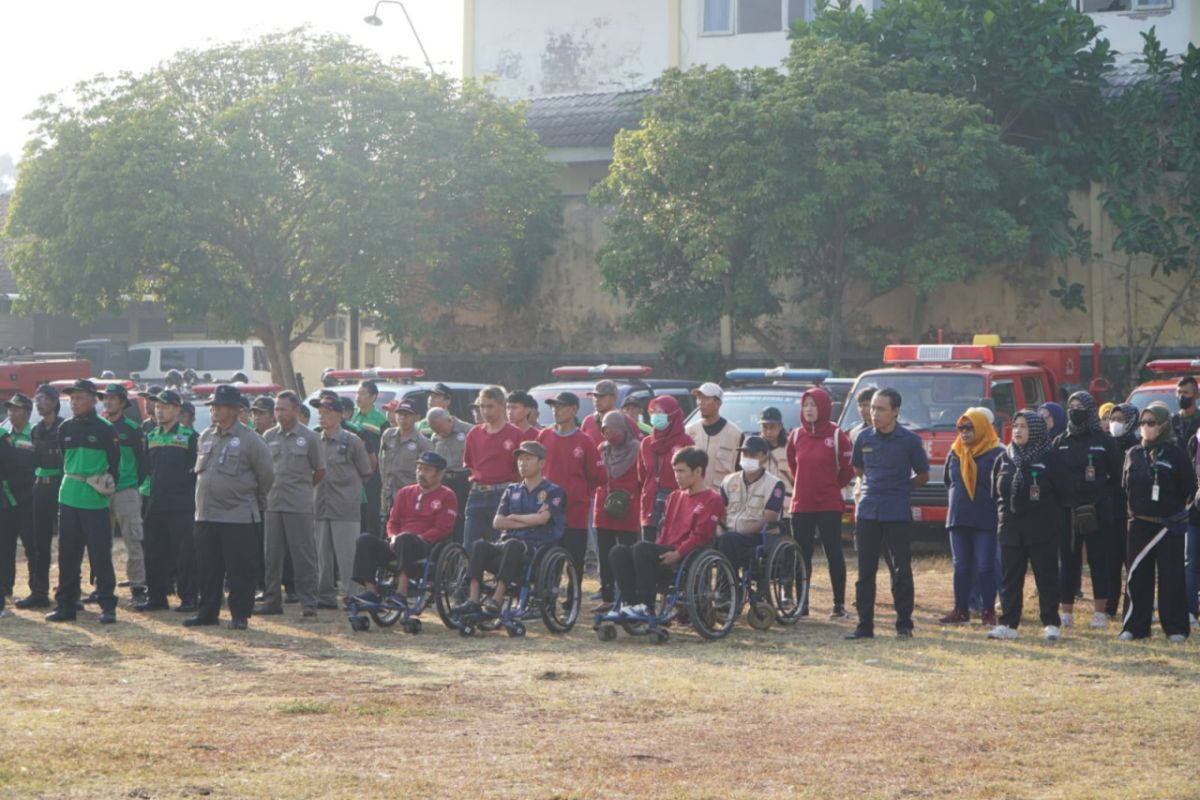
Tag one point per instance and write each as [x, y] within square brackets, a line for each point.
[1156, 530]
[48, 470]
[1093, 464]
[169, 510]
[17, 462]
[1030, 525]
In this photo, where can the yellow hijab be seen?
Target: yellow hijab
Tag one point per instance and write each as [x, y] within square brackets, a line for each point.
[985, 440]
[1105, 409]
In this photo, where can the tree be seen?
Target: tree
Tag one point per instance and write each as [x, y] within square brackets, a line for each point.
[266, 185]
[1150, 169]
[833, 172]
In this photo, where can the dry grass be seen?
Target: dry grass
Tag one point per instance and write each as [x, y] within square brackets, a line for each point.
[146, 709]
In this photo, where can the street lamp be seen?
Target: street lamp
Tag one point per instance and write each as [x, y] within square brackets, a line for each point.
[374, 19]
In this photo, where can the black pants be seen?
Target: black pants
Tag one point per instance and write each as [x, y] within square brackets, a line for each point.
[370, 511]
[872, 535]
[606, 540]
[371, 553]
[170, 551]
[1070, 556]
[45, 525]
[575, 541]
[506, 560]
[1165, 558]
[1014, 560]
[638, 569]
[260, 560]
[829, 525]
[80, 529]
[16, 522]
[225, 551]
[739, 547]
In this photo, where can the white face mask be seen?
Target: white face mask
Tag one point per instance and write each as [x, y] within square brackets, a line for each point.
[1117, 429]
[750, 464]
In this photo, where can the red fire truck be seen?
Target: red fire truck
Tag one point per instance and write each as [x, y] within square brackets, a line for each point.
[26, 371]
[1163, 389]
[939, 382]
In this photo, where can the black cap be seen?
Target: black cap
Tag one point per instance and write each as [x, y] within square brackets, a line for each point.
[770, 414]
[244, 402]
[81, 385]
[188, 407]
[19, 400]
[533, 449]
[442, 389]
[226, 395]
[755, 444]
[116, 390]
[329, 401]
[263, 403]
[329, 393]
[151, 393]
[632, 400]
[170, 397]
[564, 399]
[432, 459]
[47, 390]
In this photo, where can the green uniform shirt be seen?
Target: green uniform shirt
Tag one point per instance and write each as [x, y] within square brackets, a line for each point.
[129, 436]
[374, 421]
[90, 447]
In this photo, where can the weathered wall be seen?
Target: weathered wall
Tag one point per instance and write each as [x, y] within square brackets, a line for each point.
[1175, 26]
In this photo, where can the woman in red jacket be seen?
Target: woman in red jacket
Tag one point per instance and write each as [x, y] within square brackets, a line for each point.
[654, 461]
[618, 457]
[819, 453]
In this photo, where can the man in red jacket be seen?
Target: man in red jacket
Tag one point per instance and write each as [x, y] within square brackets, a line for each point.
[572, 462]
[689, 523]
[422, 515]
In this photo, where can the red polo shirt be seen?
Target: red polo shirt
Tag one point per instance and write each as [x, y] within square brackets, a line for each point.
[690, 520]
[431, 515]
[573, 463]
[492, 457]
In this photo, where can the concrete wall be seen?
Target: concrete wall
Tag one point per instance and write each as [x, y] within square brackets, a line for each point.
[1175, 26]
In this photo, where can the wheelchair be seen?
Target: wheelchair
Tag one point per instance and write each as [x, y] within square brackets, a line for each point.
[704, 589]
[775, 585]
[548, 588]
[441, 572]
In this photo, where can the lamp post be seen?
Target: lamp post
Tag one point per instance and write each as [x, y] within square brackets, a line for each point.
[373, 19]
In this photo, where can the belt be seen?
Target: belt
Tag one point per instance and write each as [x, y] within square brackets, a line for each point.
[487, 487]
[49, 478]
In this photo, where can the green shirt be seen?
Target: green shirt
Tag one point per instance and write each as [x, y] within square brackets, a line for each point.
[90, 447]
[130, 438]
[374, 421]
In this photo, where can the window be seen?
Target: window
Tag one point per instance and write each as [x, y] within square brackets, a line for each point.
[372, 355]
[718, 16]
[260, 360]
[139, 359]
[801, 9]
[752, 16]
[1101, 6]
[335, 328]
[759, 16]
[1031, 390]
[1005, 400]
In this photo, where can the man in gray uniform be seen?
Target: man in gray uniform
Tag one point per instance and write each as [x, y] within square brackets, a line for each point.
[449, 440]
[299, 466]
[399, 449]
[233, 478]
[339, 496]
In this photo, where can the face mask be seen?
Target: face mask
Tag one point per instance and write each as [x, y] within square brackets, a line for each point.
[1186, 402]
[750, 464]
[659, 421]
[1117, 429]
[1079, 417]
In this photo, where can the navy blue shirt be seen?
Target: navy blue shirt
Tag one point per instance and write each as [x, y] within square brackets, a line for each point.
[964, 512]
[518, 499]
[888, 462]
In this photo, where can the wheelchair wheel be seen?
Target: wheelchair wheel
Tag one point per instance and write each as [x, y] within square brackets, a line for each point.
[711, 595]
[661, 636]
[557, 588]
[360, 624]
[516, 630]
[412, 626]
[786, 579]
[607, 632]
[760, 615]
[386, 579]
[450, 584]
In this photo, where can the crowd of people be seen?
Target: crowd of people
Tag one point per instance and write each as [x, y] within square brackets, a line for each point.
[265, 508]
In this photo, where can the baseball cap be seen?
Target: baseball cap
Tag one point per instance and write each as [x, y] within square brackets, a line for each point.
[116, 390]
[244, 402]
[604, 387]
[442, 389]
[632, 400]
[81, 385]
[226, 395]
[400, 407]
[19, 400]
[151, 393]
[332, 403]
[432, 459]
[47, 390]
[263, 403]
[770, 414]
[563, 399]
[533, 449]
[709, 389]
[755, 444]
[170, 397]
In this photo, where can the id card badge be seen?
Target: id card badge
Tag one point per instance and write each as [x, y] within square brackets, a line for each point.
[1154, 493]
[1035, 491]
[1089, 473]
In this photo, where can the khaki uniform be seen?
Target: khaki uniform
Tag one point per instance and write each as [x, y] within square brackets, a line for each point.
[296, 455]
[337, 510]
[722, 450]
[398, 454]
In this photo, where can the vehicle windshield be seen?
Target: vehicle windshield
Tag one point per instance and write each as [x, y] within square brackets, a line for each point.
[743, 409]
[1144, 397]
[930, 400]
[546, 412]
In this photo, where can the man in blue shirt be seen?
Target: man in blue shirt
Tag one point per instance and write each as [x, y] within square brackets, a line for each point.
[891, 462]
[532, 514]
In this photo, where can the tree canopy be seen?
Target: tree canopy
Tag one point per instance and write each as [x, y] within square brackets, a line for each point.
[269, 184]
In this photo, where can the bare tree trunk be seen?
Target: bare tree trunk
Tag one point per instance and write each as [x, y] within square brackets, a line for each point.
[918, 319]
[280, 354]
[1185, 292]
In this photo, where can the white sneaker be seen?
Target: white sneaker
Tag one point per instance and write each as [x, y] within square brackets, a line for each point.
[1067, 619]
[630, 612]
[1052, 633]
[1176, 638]
[1125, 636]
[1099, 620]
[1002, 632]
[4, 612]
[1195, 622]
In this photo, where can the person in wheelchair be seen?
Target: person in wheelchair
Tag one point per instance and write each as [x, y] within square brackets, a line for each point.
[689, 523]
[532, 514]
[753, 498]
[422, 515]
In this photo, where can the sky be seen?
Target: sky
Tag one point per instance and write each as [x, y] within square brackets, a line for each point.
[47, 46]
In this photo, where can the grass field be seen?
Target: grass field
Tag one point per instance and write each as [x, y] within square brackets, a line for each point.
[292, 709]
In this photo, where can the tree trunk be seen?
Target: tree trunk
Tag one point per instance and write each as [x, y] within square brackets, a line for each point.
[1184, 294]
[918, 320]
[764, 341]
[279, 351]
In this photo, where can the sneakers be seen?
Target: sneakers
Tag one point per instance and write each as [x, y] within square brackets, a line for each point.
[988, 619]
[469, 608]
[198, 621]
[1003, 632]
[1176, 638]
[955, 617]
[42, 601]
[634, 611]
[60, 615]
[108, 617]
[1125, 636]
[238, 624]
[1068, 619]
[839, 612]
[1099, 621]
[859, 633]
[1051, 633]
[4, 612]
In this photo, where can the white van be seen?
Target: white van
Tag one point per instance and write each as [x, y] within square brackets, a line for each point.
[149, 362]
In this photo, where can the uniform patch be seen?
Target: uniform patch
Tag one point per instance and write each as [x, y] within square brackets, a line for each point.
[92, 439]
[301, 441]
[412, 445]
[578, 452]
[508, 445]
[556, 501]
[435, 505]
[542, 496]
[778, 491]
[462, 437]
[829, 442]
[235, 441]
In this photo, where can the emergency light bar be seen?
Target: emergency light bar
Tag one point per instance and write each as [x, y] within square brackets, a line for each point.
[100, 383]
[331, 376]
[937, 353]
[1176, 366]
[779, 374]
[244, 388]
[601, 371]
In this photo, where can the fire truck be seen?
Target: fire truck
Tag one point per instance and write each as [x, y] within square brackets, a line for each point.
[939, 382]
[23, 370]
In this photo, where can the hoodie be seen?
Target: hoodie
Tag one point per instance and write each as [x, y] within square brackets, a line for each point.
[655, 453]
[819, 475]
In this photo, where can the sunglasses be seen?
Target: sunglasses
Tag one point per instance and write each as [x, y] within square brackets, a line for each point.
[1149, 423]
[966, 427]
